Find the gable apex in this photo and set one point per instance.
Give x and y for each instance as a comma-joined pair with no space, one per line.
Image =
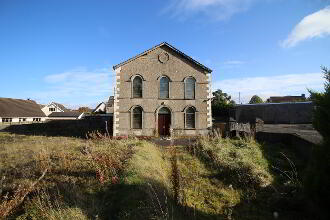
172,48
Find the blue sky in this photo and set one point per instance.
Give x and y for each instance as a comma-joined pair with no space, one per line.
64,51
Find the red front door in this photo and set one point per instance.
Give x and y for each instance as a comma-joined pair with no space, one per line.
164,121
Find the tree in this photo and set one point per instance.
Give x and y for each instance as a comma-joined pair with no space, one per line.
317,179
321,117
221,103
84,109
255,100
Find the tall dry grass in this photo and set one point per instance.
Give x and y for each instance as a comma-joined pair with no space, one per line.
101,178
77,168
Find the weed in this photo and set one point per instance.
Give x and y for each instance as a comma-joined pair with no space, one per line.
9,204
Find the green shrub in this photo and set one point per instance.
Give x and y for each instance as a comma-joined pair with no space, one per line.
317,179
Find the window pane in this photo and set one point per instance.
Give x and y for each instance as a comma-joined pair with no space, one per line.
137,87
164,88
190,88
190,118
137,118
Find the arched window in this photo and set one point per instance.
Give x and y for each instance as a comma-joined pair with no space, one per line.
189,88
164,83
137,87
137,117
190,117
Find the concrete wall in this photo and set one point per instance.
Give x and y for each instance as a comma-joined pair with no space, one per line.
276,113
300,145
151,69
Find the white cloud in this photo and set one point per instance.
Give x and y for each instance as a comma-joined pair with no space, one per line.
78,87
219,9
312,26
292,84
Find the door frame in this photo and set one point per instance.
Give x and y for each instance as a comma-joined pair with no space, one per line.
157,113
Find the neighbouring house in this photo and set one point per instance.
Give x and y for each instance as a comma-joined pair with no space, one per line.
162,91
104,113
72,115
281,99
53,107
104,107
100,108
20,111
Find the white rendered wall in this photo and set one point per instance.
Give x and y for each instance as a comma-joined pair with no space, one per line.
45,109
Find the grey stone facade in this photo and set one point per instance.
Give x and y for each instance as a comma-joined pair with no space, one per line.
151,65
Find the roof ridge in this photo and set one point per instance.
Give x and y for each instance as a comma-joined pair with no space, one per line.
171,47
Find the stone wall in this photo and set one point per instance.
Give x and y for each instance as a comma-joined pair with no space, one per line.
150,69
276,113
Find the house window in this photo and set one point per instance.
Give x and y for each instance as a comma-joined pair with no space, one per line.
189,88
22,119
190,118
6,119
36,119
52,109
137,118
137,87
164,86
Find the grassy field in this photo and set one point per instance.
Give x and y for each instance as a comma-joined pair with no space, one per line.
99,178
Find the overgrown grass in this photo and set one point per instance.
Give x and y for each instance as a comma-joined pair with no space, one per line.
78,173
100,178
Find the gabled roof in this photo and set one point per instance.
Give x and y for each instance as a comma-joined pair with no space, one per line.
55,104
97,109
60,106
169,46
65,114
19,108
107,105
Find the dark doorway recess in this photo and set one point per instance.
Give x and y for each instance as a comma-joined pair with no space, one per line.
164,121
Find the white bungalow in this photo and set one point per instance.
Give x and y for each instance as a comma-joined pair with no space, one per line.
20,111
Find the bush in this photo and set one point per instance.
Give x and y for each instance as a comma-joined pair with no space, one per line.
317,179
222,104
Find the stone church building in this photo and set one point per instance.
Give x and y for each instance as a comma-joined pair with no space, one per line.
162,91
